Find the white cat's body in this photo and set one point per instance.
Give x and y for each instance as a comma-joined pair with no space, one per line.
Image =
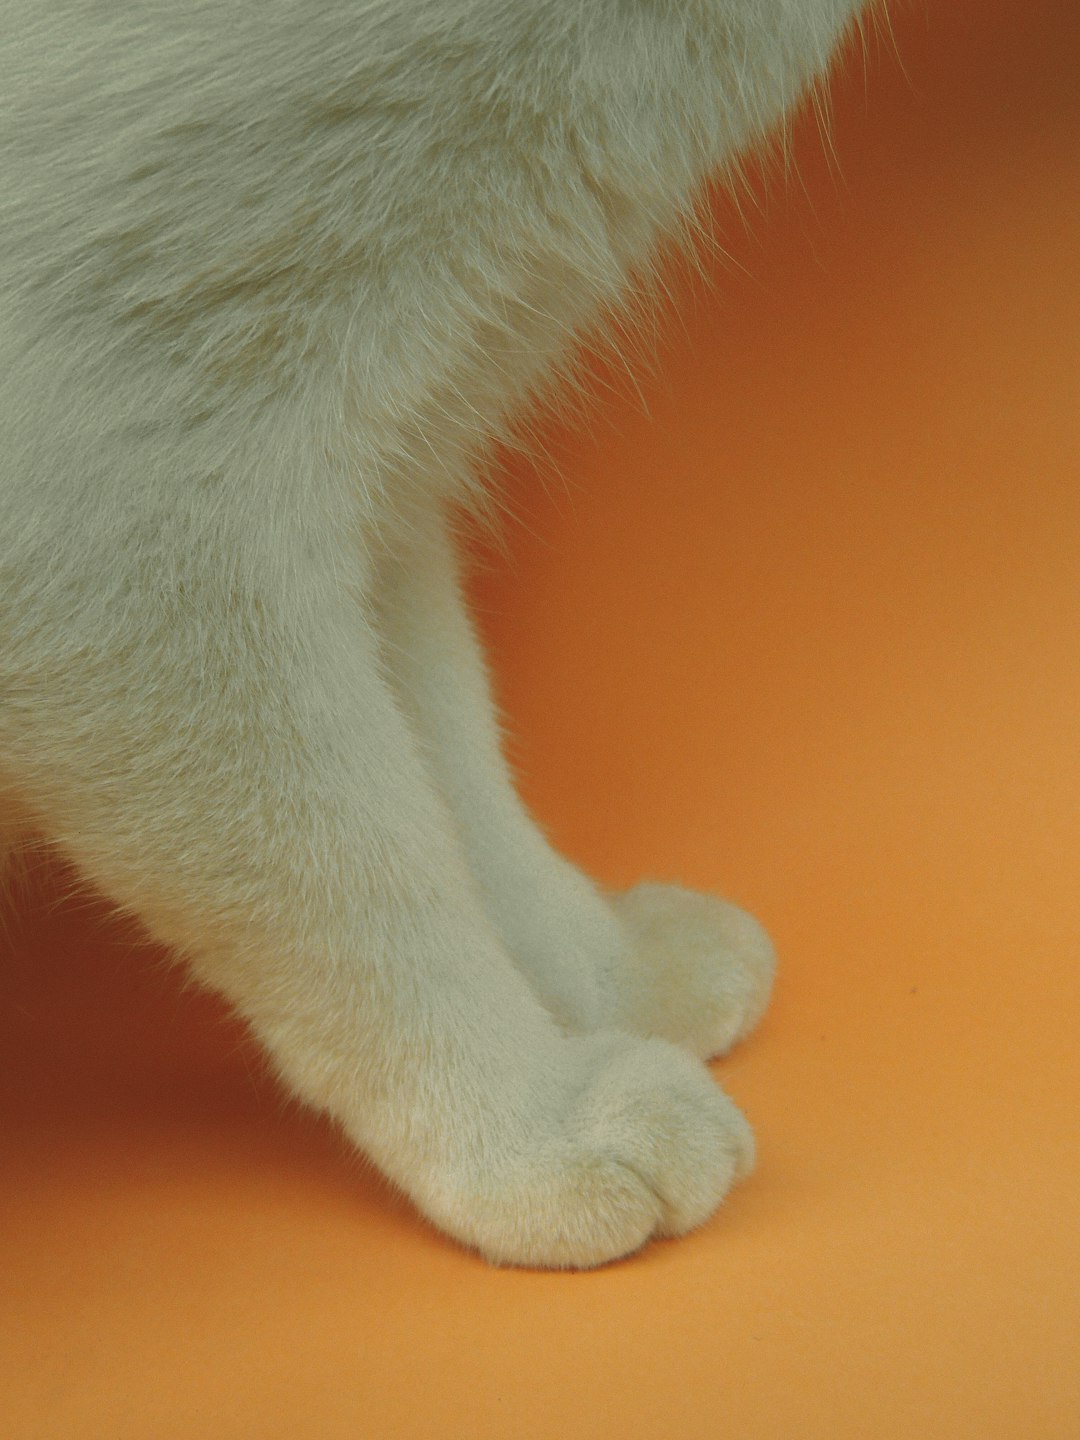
273,277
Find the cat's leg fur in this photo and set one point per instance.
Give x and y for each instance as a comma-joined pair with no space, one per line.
215,745
657,960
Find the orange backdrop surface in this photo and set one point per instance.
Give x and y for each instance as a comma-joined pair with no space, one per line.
805,631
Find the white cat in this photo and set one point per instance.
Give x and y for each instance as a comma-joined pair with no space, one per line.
273,277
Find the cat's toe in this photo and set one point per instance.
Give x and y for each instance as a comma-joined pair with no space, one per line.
649,1147
700,970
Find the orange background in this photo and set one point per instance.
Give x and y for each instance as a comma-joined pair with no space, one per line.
807,633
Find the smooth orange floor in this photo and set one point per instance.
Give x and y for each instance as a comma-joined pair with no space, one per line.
807,633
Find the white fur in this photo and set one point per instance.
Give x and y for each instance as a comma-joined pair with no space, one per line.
273,278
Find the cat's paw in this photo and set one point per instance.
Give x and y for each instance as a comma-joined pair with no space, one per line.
648,1147
698,971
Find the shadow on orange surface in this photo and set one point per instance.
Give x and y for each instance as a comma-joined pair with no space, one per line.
808,633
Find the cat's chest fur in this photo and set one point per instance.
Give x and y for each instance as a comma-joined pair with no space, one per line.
391,220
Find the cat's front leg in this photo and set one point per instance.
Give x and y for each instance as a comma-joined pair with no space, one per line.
658,960
222,755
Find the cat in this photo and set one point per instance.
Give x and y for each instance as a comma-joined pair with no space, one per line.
274,278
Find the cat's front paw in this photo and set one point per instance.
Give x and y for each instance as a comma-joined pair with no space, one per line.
648,1147
698,970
